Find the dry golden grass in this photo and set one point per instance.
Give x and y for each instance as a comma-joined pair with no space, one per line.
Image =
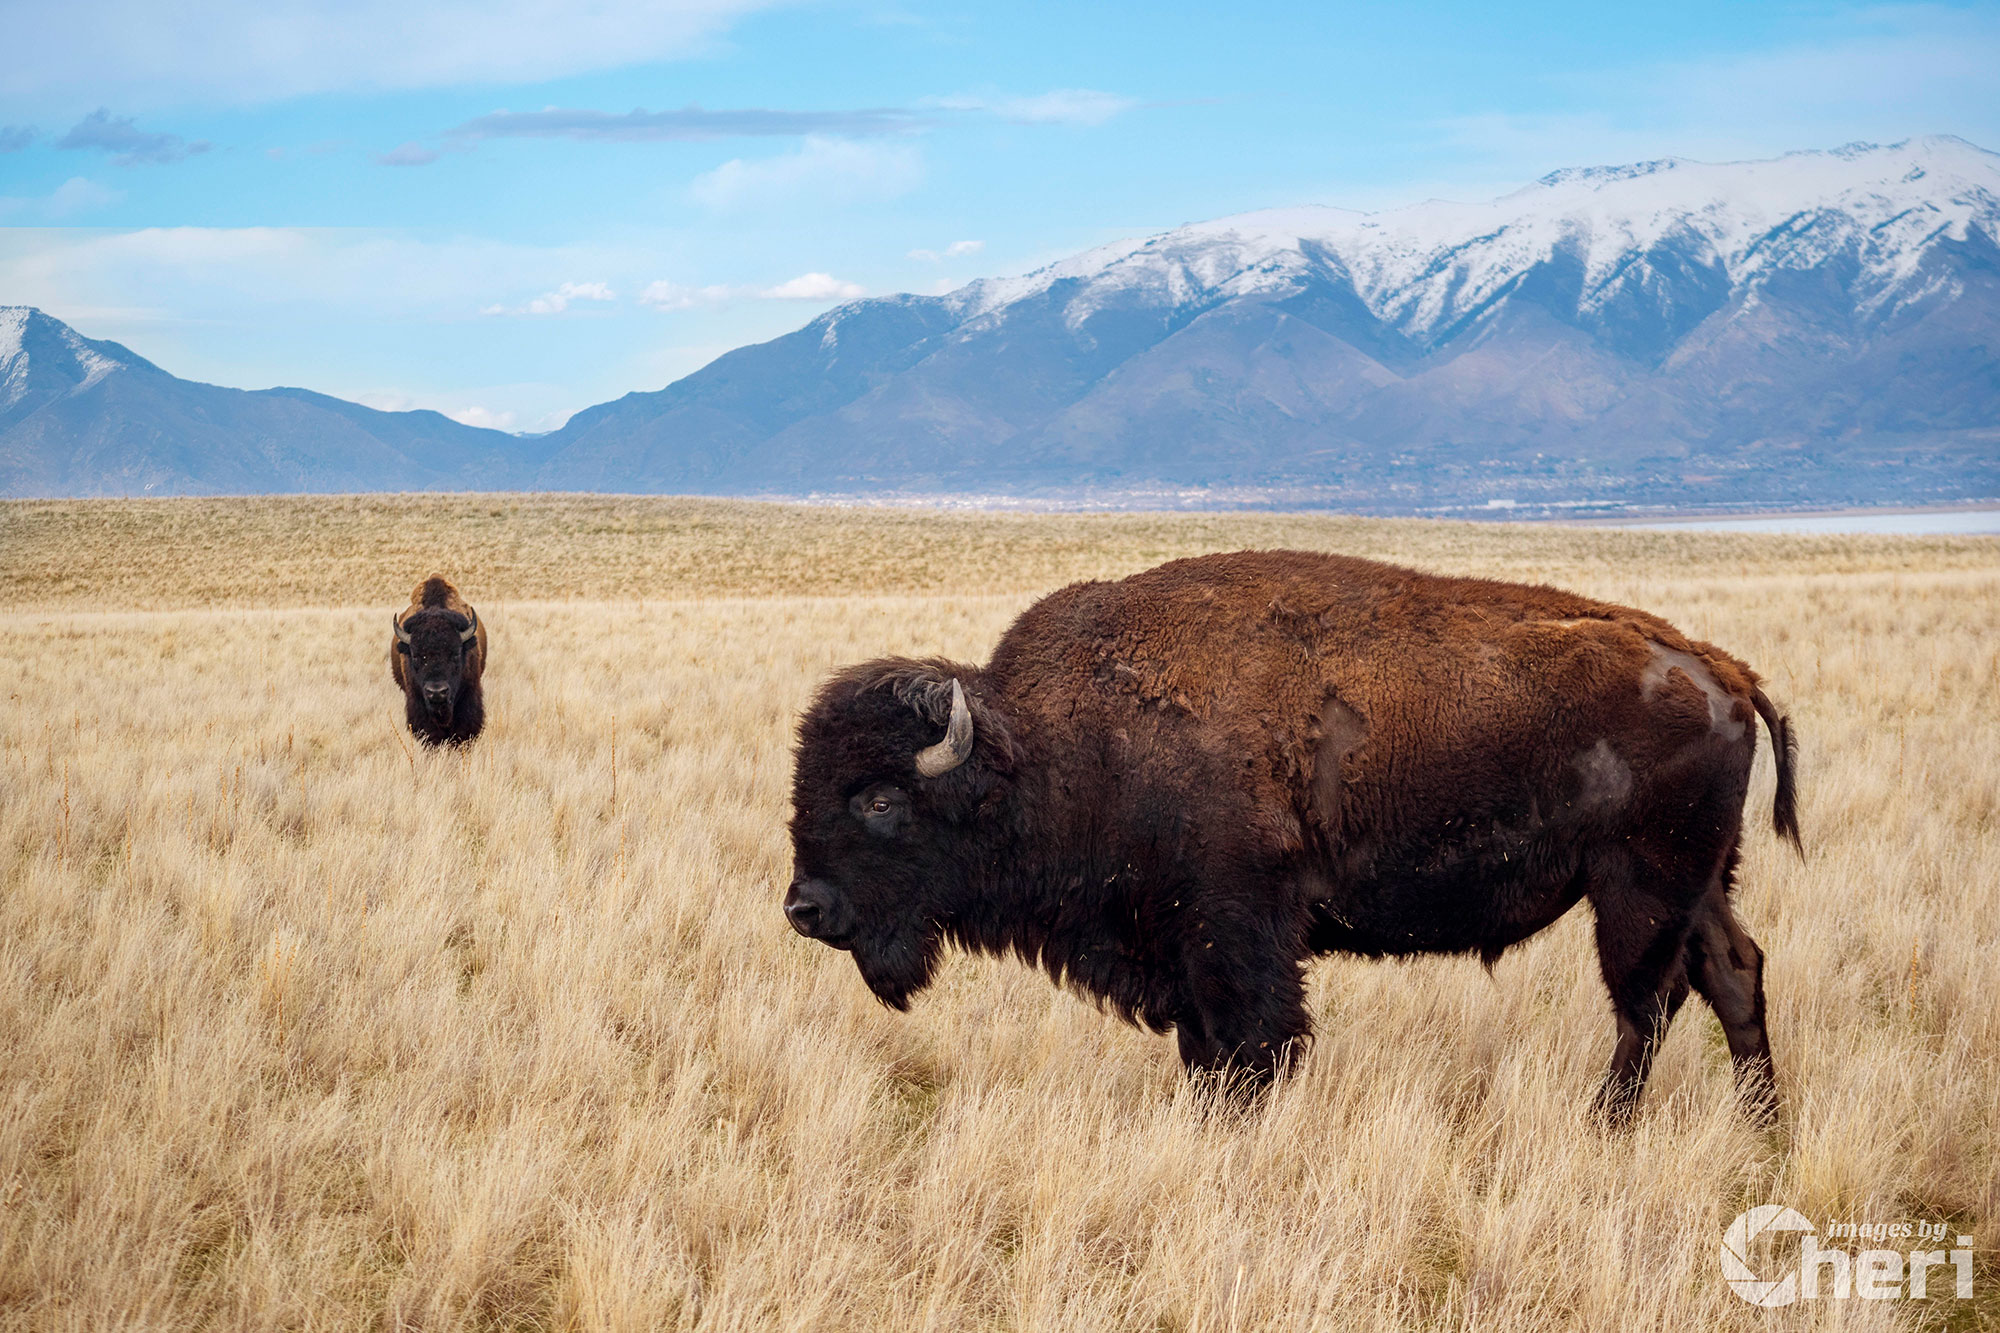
302,1028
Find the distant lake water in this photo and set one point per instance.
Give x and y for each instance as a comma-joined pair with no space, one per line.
1984,522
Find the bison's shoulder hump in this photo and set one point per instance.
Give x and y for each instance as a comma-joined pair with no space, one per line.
437,591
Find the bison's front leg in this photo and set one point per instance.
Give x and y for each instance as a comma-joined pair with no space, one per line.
1243,1006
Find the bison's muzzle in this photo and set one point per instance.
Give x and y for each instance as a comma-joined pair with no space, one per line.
818,912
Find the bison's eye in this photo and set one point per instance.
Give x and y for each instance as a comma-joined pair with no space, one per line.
882,810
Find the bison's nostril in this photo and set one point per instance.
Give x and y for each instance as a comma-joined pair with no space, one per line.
804,916
817,911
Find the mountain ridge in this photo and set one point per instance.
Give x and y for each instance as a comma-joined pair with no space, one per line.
1821,327
1664,350
81,416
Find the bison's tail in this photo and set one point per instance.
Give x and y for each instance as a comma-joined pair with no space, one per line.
1785,749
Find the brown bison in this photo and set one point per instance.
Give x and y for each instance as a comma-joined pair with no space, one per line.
436,659
1172,790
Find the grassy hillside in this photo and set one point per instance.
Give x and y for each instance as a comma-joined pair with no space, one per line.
302,1027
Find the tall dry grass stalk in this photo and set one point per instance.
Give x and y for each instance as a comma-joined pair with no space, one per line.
304,1027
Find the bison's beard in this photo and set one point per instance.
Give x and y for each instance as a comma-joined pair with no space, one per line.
897,966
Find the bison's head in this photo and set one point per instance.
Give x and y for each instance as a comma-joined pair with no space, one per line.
434,643
900,769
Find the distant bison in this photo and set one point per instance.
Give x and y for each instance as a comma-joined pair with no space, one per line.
1171,790
436,659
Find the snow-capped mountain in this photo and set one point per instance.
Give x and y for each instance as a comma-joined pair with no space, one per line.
83,417
42,359
1632,236
1822,327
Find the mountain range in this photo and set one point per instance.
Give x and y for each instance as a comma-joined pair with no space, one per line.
1818,328
83,417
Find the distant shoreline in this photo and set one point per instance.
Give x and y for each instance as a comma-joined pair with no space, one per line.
1197,501
1750,515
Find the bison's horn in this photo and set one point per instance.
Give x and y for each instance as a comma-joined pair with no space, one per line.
471,626
956,747
396,619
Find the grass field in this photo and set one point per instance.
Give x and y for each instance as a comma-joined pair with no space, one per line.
301,1027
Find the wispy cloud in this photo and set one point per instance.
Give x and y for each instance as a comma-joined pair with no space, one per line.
557,301
476,414
81,195
1067,106
690,123
483,417
833,171
956,250
411,154
1062,106
74,196
352,271
664,295
247,51
119,135
13,138
820,287
1879,74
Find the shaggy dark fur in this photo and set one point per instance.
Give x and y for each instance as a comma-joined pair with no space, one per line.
1183,784
437,671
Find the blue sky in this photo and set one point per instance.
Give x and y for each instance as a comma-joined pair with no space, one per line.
513,210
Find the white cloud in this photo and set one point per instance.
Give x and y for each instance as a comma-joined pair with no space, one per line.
1897,70
479,416
241,274
557,301
1880,74
281,273
955,250
508,419
81,195
76,195
1063,106
819,287
829,170
814,287
664,295
247,51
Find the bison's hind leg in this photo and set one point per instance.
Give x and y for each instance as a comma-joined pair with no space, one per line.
1727,968
1642,927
